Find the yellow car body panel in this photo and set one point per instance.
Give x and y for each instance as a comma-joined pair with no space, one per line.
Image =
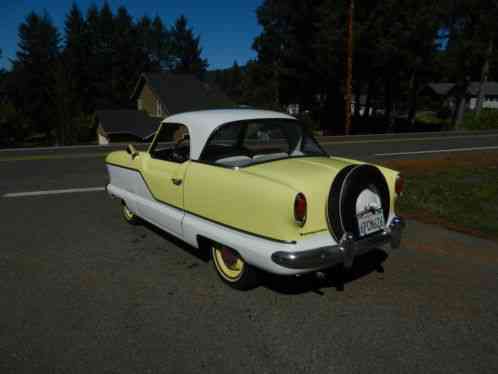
160,177
258,199
241,200
313,176
157,174
124,159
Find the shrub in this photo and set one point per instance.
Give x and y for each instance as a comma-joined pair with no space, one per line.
14,127
487,120
84,129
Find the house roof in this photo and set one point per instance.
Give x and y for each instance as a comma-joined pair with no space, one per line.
182,92
441,89
201,124
445,89
490,88
132,122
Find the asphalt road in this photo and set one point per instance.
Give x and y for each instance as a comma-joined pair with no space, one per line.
31,170
82,291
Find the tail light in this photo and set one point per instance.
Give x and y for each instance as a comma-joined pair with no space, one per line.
400,184
300,209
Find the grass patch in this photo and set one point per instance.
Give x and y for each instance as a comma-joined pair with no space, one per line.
487,120
430,118
461,197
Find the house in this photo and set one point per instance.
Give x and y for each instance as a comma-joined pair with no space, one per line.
293,109
447,92
165,94
157,95
124,126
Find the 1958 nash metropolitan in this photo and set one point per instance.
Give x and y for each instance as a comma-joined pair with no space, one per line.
257,190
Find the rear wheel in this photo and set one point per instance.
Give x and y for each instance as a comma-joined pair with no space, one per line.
232,268
129,216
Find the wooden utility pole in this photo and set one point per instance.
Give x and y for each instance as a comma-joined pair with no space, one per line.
348,89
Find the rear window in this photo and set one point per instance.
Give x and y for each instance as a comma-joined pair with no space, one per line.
250,142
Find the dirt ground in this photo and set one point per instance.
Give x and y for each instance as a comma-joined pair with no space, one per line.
444,161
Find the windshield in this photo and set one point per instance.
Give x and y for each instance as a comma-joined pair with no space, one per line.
251,142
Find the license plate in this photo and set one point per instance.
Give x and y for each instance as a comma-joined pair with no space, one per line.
370,223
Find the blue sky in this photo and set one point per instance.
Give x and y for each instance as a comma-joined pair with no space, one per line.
227,28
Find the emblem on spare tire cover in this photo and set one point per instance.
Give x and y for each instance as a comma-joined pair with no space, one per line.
344,194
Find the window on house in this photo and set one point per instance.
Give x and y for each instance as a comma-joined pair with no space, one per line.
140,104
159,109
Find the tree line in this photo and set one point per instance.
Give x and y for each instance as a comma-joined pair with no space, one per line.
399,46
58,79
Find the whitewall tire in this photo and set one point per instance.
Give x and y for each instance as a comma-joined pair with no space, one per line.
129,216
232,268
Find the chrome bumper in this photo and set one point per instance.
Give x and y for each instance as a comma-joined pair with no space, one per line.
344,252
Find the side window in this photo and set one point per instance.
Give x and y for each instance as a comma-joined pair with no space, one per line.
172,143
224,143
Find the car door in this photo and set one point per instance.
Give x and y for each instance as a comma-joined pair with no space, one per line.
163,169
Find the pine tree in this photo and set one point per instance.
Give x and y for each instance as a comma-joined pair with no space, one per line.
145,56
2,71
38,52
93,46
72,74
105,57
289,60
186,50
235,78
160,44
127,59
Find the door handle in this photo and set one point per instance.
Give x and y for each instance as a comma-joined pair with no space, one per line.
176,181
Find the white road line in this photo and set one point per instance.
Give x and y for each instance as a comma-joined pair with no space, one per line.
54,192
437,151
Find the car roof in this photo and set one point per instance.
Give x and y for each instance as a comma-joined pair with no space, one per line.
202,123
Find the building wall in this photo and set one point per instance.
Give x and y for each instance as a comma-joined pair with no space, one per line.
490,102
102,139
148,101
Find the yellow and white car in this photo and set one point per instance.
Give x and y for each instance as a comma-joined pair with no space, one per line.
257,190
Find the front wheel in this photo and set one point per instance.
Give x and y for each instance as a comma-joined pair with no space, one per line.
129,216
232,268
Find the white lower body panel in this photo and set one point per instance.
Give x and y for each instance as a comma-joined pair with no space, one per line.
255,250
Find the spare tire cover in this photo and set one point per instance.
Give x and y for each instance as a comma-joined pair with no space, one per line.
352,188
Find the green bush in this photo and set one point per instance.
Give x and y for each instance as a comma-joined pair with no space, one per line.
84,129
431,118
13,124
487,120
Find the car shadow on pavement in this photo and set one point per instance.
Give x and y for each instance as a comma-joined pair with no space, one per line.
336,277
197,253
